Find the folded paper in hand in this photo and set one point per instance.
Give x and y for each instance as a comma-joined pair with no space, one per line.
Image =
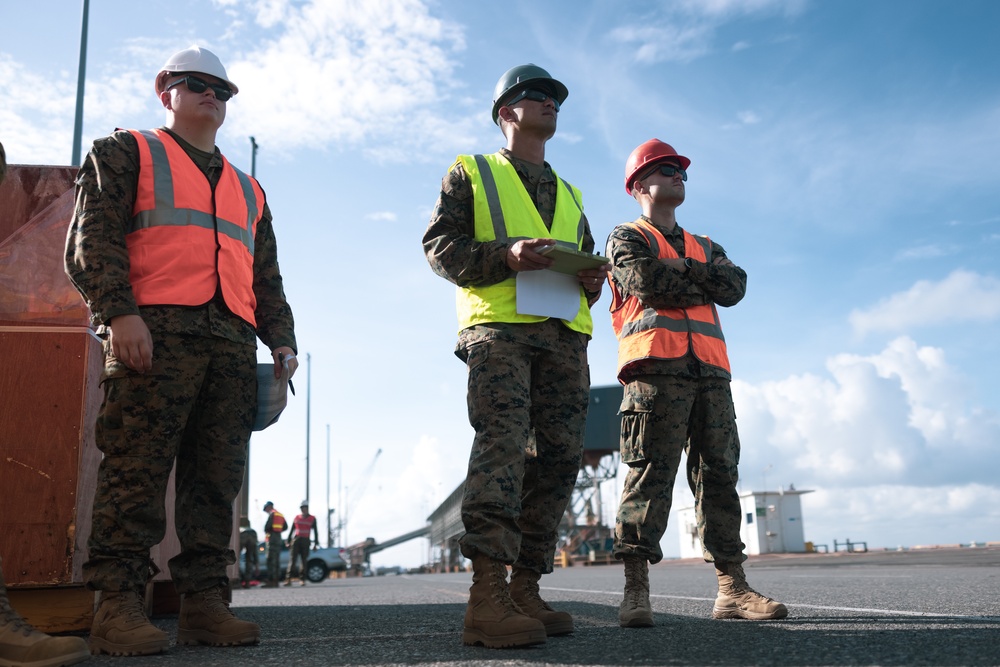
272,395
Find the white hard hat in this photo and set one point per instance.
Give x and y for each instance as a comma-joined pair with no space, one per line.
193,59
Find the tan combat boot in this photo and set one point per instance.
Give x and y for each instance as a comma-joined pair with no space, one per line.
491,617
737,600
120,627
21,644
635,610
526,595
205,619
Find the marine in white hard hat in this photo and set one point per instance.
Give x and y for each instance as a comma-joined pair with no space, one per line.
194,59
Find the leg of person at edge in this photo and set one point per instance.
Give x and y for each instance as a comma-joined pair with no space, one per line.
677,396
529,381
20,643
180,379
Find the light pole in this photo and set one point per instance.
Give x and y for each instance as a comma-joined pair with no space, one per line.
81,77
253,157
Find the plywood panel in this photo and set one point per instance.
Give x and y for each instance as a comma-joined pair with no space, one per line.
48,458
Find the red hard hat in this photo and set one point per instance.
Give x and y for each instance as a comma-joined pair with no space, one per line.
646,155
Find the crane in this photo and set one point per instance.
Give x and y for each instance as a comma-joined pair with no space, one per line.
354,498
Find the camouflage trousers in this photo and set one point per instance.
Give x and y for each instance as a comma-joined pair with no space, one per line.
273,554
251,563
528,407
663,416
196,408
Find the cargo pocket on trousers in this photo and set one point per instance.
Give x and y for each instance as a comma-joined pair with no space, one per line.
636,411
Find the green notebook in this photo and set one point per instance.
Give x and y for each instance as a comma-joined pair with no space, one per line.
570,260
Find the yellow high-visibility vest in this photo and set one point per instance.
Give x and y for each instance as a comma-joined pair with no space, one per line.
504,211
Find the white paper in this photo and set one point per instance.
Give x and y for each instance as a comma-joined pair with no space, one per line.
548,294
272,395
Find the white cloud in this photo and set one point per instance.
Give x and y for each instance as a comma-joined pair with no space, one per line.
928,251
382,216
401,495
898,417
903,515
963,296
683,30
356,71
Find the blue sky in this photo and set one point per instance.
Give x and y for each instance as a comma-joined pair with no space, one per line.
844,153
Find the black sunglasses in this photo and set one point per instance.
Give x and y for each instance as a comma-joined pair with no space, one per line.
534,95
668,170
196,85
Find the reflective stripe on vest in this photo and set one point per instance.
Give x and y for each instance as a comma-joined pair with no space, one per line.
667,333
303,525
503,211
185,239
278,523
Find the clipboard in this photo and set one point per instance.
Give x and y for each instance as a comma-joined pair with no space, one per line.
570,260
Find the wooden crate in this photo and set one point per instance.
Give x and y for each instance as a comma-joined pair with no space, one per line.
48,466
49,400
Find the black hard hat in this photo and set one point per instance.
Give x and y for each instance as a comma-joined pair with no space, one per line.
518,78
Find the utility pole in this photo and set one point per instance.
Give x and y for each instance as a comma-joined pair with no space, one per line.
329,511
78,122
245,506
308,401
253,157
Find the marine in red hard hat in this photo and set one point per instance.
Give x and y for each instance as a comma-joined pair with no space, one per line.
648,154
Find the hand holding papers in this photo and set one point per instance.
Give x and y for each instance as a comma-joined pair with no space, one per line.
570,260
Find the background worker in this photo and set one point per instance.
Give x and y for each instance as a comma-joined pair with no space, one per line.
528,374
173,250
273,527
20,643
672,359
298,541
251,554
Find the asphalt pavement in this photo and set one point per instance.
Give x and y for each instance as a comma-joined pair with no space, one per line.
926,607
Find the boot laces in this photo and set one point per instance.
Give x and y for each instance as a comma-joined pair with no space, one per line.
499,587
637,582
215,603
531,595
130,607
14,620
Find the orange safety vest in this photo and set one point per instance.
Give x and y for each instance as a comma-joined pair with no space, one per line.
303,525
278,523
187,240
667,333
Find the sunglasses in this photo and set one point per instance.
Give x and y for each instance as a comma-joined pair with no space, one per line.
668,170
196,85
535,96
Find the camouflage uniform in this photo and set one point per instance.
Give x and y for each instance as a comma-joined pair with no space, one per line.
251,558
675,405
528,389
195,407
